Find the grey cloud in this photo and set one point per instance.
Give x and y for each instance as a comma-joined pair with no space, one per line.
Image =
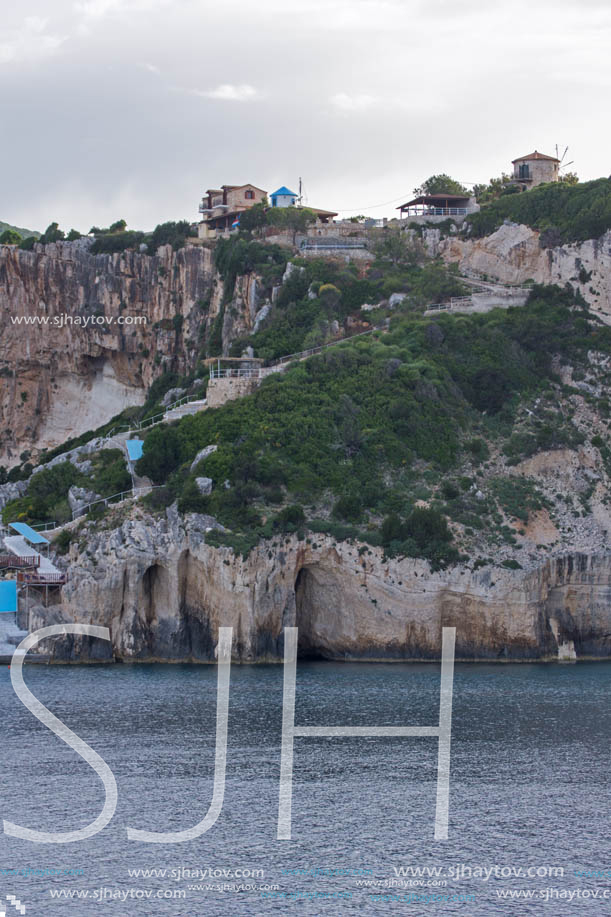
143,104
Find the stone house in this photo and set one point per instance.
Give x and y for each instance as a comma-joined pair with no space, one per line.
535,169
221,208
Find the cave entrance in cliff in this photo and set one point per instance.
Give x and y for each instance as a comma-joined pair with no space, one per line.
154,592
308,609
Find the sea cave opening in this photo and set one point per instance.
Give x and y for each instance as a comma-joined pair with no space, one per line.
309,609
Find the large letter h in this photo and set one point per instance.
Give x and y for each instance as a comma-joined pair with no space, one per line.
441,732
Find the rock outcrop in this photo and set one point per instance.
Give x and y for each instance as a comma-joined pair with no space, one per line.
513,254
94,332
164,592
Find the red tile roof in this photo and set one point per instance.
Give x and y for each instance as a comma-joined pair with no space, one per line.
536,155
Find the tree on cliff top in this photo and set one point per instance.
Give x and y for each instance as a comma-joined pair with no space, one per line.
52,234
441,184
10,237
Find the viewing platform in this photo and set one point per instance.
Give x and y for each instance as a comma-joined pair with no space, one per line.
40,570
437,208
32,570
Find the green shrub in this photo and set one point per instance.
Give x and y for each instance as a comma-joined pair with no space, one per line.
10,237
518,496
563,212
449,490
112,242
158,499
171,233
161,454
479,449
349,508
378,413
290,518
62,542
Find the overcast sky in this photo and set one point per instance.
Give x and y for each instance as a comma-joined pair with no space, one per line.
132,108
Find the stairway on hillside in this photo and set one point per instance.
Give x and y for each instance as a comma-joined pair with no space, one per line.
183,410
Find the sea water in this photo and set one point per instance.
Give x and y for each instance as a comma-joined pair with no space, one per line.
529,792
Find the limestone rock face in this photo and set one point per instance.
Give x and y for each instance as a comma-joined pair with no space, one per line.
11,491
513,254
164,592
59,376
261,316
78,497
204,486
172,395
202,454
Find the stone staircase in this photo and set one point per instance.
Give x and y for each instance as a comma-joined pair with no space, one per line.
11,634
183,410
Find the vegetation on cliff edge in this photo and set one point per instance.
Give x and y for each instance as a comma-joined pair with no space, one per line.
349,434
560,211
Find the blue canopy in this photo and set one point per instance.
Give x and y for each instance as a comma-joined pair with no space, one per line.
134,449
8,595
28,533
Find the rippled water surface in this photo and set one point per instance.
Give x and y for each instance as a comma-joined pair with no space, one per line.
529,788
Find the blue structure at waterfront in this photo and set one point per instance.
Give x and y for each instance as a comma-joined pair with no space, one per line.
8,596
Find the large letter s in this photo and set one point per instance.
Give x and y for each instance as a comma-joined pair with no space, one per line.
70,738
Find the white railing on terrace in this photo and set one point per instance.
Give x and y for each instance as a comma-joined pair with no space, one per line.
315,245
258,373
439,212
450,304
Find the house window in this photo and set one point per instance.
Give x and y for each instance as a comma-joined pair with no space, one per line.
523,171
249,195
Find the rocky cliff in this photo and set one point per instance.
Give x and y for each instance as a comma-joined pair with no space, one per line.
164,592
513,254
95,331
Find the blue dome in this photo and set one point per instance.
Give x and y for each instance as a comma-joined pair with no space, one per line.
283,192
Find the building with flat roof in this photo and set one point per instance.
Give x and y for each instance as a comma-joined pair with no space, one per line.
437,207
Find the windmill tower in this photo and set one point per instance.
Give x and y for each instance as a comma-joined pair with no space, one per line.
561,161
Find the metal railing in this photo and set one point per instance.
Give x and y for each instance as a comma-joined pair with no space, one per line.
236,373
192,399
450,304
321,245
308,353
44,526
440,212
41,579
154,420
470,274
123,428
114,499
14,560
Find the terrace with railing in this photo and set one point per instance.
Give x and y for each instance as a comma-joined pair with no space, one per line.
436,206
13,561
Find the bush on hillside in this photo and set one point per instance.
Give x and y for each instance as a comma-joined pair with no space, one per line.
561,212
